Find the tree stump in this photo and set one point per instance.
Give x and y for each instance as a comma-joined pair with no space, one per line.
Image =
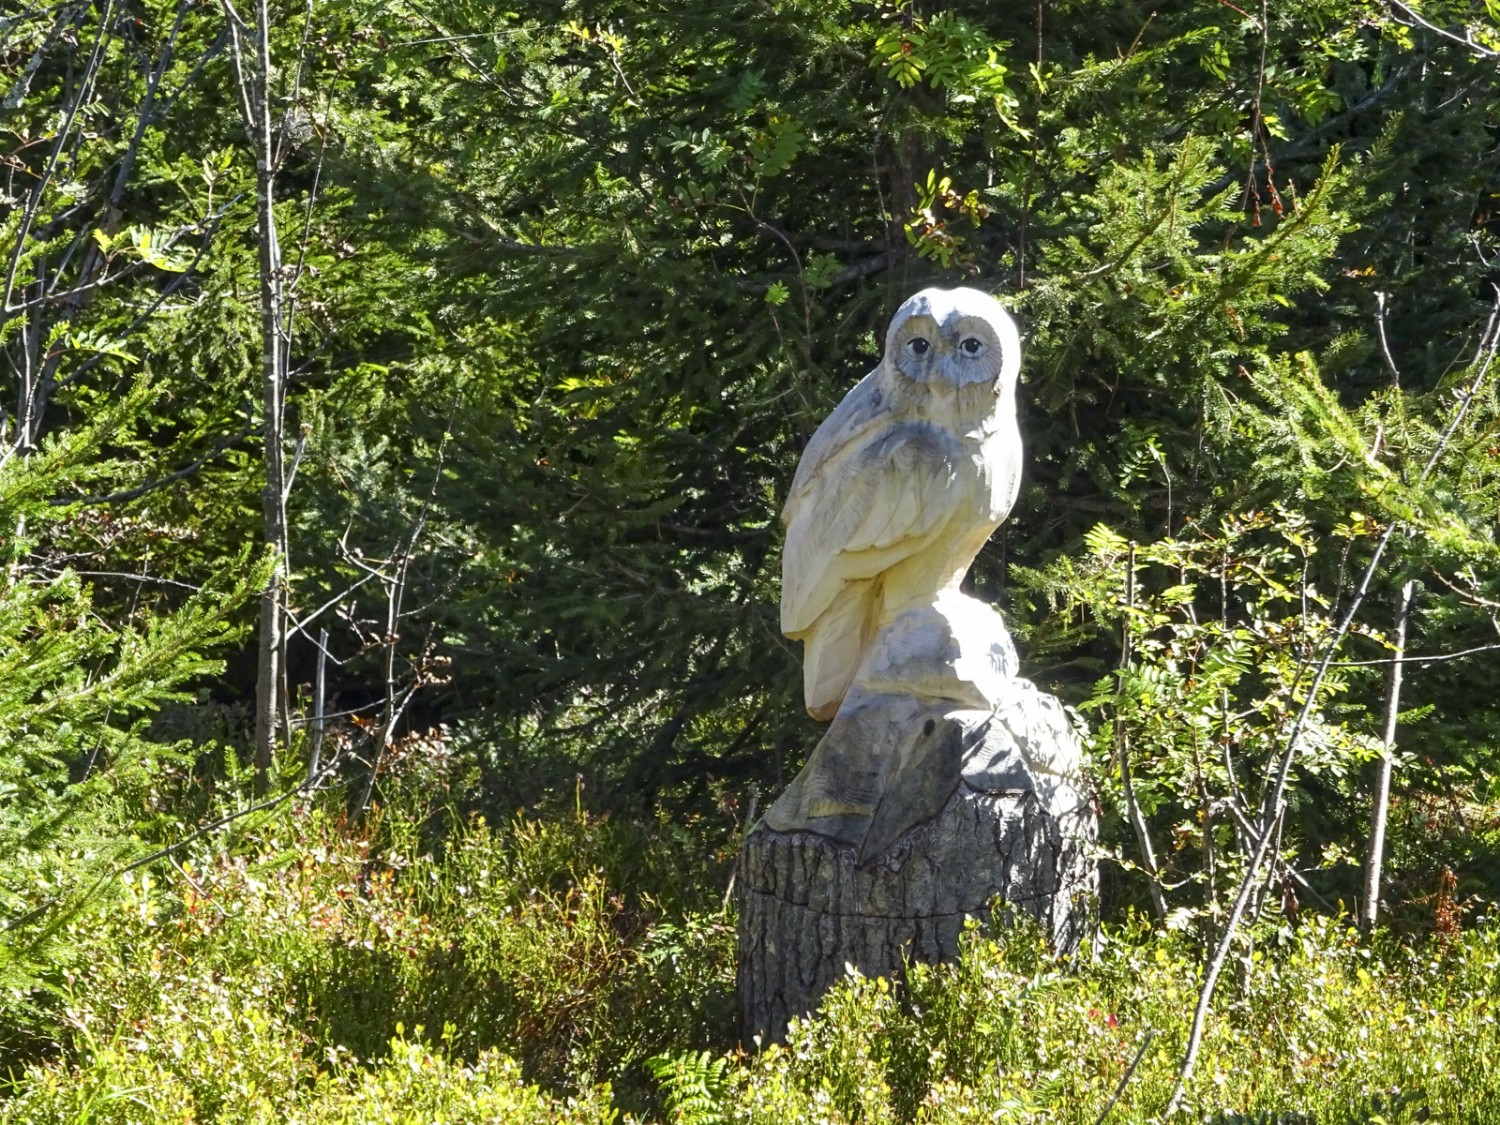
1008,838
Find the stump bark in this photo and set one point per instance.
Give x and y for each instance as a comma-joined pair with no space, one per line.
808,907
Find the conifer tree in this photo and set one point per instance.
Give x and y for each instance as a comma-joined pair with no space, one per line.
80,769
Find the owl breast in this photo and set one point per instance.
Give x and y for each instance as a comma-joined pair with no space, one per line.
902,484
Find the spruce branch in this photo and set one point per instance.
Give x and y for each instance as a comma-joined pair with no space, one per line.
1275,803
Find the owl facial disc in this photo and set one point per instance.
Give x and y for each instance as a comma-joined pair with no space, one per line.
950,338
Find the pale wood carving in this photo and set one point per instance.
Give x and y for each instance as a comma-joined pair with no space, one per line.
945,784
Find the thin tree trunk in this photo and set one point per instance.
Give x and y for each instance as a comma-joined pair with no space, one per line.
1370,908
1122,750
256,103
319,688
395,700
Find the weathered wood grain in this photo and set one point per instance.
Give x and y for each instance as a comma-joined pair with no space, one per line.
808,907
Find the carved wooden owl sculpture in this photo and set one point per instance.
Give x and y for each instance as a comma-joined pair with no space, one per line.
902,484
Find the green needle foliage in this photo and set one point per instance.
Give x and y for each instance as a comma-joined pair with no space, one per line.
81,774
570,286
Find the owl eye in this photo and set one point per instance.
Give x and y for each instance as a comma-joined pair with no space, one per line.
971,346
919,346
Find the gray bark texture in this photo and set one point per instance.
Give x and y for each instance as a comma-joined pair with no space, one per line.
808,906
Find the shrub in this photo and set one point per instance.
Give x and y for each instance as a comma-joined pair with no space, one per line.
1320,1028
305,949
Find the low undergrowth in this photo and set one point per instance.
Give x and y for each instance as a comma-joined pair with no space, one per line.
1319,1026
574,969
314,968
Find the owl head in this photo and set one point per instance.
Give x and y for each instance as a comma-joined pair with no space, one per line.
954,338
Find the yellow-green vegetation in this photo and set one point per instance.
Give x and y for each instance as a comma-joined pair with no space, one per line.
578,969
496,332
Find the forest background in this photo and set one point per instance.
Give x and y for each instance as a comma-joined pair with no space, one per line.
396,405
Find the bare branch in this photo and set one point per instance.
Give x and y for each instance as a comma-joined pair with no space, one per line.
1380,801
313,780
1128,1075
70,115
1122,753
1385,347
330,603
1430,658
1465,41
484,75
22,85
137,578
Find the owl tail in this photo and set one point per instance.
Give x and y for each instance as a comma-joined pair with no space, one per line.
833,648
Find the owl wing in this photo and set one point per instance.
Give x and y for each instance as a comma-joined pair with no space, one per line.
867,497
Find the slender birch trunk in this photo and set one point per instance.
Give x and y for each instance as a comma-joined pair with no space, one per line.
255,102
1122,751
1380,803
